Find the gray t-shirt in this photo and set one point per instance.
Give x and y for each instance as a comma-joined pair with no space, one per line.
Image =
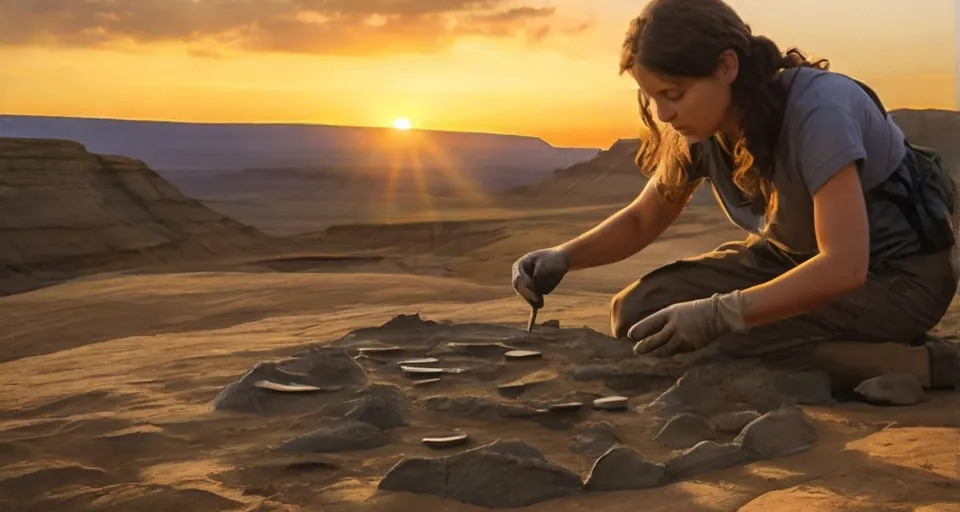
829,121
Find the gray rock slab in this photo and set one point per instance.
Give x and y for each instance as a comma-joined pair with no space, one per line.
685,430
781,432
338,436
705,456
892,389
491,476
621,469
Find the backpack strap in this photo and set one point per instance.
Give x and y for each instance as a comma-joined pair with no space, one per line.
934,229
873,96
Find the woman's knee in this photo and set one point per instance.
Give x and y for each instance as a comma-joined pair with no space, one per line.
645,296
624,309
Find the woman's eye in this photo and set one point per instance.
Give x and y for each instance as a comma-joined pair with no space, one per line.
674,95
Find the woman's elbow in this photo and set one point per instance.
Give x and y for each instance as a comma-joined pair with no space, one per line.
852,272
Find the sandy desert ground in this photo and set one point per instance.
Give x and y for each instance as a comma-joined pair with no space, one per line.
108,383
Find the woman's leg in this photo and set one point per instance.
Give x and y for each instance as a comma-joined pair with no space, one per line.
899,303
731,266
924,289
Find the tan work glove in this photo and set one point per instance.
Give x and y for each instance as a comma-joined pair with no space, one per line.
688,326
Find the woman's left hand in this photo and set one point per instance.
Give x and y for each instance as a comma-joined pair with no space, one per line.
688,326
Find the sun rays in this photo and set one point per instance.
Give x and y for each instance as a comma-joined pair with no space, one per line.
415,155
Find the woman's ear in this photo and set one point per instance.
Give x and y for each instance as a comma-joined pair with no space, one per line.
728,67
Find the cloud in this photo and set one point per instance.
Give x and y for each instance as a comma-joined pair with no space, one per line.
342,27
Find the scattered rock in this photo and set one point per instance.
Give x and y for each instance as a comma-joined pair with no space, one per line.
284,387
323,367
515,447
418,362
594,441
338,436
611,403
705,456
621,469
485,476
688,394
563,407
892,389
685,430
448,440
778,433
382,406
706,390
522,354
386,350
732,422
418,476
498,480
552,323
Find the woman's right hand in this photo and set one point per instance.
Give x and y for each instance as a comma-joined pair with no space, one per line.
537,274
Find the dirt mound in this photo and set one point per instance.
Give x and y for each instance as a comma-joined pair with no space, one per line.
64,211
369,391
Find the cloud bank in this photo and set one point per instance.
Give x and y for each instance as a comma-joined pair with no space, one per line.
338,27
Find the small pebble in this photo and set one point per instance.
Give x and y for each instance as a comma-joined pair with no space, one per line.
522,354
611,403
420,372
445,440
416,362
285,387
892,389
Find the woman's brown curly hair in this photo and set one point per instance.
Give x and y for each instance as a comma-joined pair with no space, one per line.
686,38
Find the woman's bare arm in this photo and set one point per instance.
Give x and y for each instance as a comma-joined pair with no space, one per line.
626,232
843,236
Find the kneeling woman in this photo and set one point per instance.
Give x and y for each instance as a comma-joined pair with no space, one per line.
848,260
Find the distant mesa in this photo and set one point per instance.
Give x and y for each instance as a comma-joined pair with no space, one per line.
492,160
65,211
938,129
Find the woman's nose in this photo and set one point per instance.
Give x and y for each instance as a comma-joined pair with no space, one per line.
666,113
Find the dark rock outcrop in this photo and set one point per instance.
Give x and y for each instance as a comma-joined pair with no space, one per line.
493,476
65,211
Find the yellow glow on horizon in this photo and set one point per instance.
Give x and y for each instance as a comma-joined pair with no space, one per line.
402,123
565,90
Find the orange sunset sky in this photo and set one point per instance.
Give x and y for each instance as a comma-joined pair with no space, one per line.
536,67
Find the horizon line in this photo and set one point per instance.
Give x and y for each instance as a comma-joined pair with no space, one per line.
299,123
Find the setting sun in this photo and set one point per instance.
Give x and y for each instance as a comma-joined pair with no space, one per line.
402,123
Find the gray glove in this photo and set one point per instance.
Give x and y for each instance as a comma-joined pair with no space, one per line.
688,326
537,273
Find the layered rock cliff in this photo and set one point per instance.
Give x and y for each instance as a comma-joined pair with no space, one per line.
64,210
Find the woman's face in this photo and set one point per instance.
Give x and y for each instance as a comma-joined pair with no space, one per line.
695,107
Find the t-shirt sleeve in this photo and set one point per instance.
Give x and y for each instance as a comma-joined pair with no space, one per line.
828,138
